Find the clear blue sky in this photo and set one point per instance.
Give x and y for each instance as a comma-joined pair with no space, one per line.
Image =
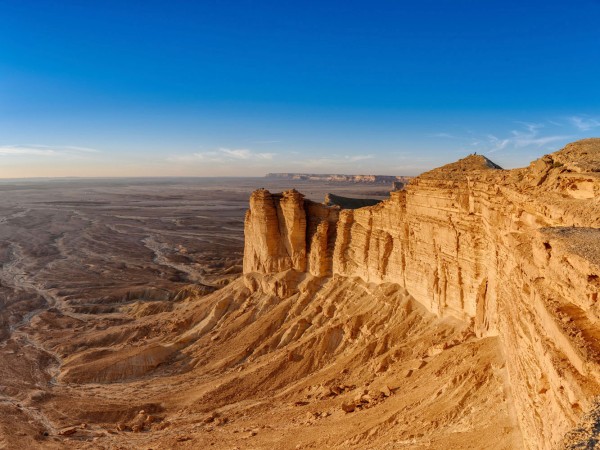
246,87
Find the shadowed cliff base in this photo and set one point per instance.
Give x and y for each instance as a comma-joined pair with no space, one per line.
349,203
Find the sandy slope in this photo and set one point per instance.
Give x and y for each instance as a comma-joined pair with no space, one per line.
243,368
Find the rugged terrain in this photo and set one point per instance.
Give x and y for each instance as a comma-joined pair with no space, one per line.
83,262
459,313
515,254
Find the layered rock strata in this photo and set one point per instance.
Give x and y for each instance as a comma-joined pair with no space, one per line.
514,252
285,231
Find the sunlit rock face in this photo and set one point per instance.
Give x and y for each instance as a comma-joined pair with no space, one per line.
285,231
275,232
516,253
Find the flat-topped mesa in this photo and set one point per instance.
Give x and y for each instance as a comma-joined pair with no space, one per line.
503,249
340,178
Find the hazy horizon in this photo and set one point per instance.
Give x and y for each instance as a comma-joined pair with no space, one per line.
243,89
179,177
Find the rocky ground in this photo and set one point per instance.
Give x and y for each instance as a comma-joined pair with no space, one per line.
338,365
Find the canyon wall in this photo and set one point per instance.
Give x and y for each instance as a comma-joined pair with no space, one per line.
514,252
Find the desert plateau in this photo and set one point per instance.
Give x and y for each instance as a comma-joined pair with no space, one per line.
310,225
459,312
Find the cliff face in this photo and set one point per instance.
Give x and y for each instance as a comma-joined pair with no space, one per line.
515,253
284,231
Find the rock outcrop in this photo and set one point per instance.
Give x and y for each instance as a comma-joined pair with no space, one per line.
515,253
281,230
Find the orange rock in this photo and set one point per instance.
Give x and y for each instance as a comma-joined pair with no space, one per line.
68,431
348,407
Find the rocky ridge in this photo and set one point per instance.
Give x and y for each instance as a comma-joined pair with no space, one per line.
512,253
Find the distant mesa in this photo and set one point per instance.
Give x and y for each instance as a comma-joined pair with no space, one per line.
339,178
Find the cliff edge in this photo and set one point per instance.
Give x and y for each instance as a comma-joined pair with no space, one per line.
514,254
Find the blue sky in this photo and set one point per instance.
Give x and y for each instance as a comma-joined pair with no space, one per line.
146,88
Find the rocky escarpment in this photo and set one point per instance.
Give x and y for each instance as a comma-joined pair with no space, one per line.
339,178
515,253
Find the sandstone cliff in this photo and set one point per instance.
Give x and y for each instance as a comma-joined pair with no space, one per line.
515,253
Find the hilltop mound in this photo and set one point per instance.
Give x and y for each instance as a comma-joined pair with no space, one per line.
471,163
